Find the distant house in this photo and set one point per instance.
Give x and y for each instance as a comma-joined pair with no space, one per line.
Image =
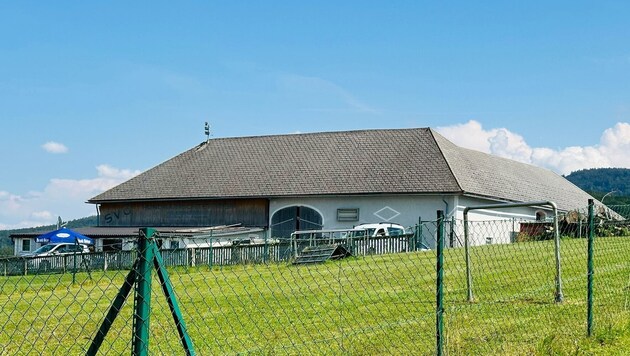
329,180
111,239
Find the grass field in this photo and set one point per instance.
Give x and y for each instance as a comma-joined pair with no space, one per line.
360,306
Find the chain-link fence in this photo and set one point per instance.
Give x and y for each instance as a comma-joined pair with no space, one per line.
353,295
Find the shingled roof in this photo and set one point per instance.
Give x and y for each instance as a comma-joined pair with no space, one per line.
400,161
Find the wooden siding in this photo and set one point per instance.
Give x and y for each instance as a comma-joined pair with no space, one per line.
248,212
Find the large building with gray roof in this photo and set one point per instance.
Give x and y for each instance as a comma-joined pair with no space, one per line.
329,180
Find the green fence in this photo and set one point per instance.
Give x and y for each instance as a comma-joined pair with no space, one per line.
407,300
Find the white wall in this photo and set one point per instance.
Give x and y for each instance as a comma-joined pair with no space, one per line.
17,246
404,210
495,226
408,209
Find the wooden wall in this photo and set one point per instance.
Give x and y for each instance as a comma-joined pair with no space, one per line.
248,212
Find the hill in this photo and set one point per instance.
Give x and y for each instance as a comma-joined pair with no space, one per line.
601,181
6,244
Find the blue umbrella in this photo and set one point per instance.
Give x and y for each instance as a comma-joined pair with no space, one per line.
64,235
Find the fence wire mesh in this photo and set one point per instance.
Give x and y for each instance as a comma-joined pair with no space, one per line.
372,296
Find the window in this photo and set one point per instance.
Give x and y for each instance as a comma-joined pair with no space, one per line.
174,245
74,248
26,245
112,245
348,214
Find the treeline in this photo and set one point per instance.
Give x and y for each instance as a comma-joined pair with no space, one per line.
6,245
614,183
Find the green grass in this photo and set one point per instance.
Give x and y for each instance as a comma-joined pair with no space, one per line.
361,306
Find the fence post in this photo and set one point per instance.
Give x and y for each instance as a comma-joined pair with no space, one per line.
513,237
469,292
143,293
559,297
211,254
416,238
266,250
590,271
451,236
439,322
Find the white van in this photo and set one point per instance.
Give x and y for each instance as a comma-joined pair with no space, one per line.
380,229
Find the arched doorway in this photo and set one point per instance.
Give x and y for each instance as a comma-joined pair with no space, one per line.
287,220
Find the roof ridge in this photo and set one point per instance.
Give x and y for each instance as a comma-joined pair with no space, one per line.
338,132
448,163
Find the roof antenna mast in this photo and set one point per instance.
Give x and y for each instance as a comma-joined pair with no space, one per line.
60,223
207,130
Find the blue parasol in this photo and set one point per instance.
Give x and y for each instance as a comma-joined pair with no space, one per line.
64,235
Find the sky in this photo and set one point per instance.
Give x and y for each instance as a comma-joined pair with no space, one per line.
93,93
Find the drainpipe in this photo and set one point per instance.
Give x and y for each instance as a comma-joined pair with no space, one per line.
446,210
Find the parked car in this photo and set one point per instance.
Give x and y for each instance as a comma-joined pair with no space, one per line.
378,230
49,256
60,249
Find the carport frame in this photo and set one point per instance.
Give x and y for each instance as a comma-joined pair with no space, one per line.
559,297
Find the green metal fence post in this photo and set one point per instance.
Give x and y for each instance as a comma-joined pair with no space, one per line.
451,234
169,293
114,310
559,297
416,237
420,236
590,270
469,291
439,323
143,293
74,263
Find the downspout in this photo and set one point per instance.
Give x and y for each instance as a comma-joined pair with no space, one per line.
446,206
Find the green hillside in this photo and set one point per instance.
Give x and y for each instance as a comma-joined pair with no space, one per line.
601,181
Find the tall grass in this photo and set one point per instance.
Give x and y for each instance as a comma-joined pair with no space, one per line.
361,306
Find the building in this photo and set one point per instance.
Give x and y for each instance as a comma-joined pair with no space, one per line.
329,180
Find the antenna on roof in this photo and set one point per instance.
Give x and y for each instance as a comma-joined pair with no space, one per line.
60,223
207,130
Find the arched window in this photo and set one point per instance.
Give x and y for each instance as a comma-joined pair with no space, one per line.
287,220
541,215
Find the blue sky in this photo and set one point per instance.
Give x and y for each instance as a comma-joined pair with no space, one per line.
93,93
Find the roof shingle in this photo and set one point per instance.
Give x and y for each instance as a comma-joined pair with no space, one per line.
400,161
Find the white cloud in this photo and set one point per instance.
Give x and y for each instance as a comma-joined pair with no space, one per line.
469,135
60,197
55,147
610,152
43,215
